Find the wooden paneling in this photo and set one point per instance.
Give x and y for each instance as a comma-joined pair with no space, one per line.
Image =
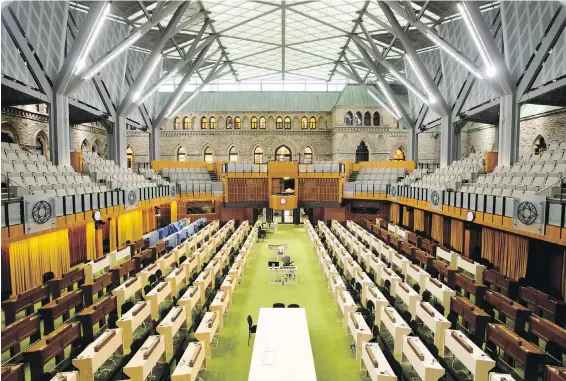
408,165
246,190
319,190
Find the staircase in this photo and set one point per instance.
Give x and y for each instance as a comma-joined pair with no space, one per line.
213,176
353,176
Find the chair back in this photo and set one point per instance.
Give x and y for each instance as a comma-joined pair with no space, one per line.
250,322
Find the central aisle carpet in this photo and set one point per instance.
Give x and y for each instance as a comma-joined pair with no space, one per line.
331,347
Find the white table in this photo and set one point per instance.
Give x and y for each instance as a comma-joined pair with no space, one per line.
282,347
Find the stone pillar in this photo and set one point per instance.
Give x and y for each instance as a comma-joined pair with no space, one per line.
59,131
508,139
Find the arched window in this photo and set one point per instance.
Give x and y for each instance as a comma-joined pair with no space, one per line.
312,123
358,119
258,155
376,119
539,145
283,153
39,148
367,119
304,123
213,123
181,155
307,155
233,154
186,123
399,155
279,123
129,157
348,118
177,123
262,123
362,152
254,123
229,123
9,134
237,123
208,155
287,123
204,123
95,146
84,145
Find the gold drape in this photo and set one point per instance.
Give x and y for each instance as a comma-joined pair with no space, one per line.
174,211
31,258
130,227
148,217
418,220
112,233
457,235
394,213
406,217
509,253
437,228
91,242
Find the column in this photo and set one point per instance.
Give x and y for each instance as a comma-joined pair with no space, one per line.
412,145
509,119
119,154
59,130
154,145
446,141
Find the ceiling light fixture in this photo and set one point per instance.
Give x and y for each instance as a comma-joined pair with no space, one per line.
431,97
384,105
408,85
489,67
91,38
155,87
444,46
155,63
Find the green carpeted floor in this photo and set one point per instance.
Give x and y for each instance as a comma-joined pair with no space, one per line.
330,345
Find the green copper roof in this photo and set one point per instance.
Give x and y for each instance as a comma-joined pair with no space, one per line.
300,101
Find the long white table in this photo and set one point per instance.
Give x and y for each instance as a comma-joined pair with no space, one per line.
282,346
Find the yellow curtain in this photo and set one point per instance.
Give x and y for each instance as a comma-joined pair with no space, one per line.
148,216
394,213
31,258
457,235
91,242
112,235
130,227
418,220
437,228
509,253
174,211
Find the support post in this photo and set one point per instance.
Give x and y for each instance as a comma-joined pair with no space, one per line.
412,145
120,141
446,141
59,130
508,144
154,145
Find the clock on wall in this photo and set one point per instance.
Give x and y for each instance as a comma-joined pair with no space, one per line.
283,201
470,216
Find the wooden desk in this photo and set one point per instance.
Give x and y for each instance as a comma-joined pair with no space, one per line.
97,352
122,271
203,280
359,330
13,372
131,320
51,346
457,345
13,334
435,321
474,319
448,256
145,256
501,283
236,271
418,275
547,331
147,272
192,361
229,286
98,286
207,329
376,266
392,277
375,363
60,307
220,304
151,352
467,287
363,279
176,279
125,291
409,296
94,267
165,262
189,265
282,348
214,266
420,358
169,326
551,373
379,300
189,301
336,284
504,377
25,301
115,257
543,304
156,296
441,292
67,281
401,262
96,313
396,326
346,303
506,307
473,268
446,271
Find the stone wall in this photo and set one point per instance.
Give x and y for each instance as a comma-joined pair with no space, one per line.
139,141
477,139
429,147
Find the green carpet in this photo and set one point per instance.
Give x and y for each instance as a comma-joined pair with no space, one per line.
332,355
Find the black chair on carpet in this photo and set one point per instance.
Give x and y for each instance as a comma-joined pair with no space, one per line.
251,328
426,296
293,306
48,276
278,305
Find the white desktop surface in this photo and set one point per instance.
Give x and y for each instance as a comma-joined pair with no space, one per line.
282,348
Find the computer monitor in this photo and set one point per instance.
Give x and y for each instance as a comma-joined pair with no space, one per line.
272,264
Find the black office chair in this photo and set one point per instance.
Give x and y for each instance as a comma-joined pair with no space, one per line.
387,285
112,319
182,259
406,315
278,305
453,319
426,296
158,273
146,289
417,288
126,307
293,306
554,350
48,276
251,328
152,279
439,307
